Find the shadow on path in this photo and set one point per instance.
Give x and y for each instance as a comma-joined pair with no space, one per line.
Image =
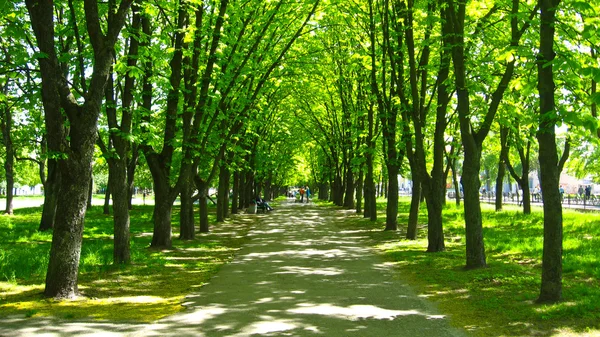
299,275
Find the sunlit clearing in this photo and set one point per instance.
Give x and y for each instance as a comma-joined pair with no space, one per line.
304,253
310,271
567,332
270,325
198,315
355,312
7,288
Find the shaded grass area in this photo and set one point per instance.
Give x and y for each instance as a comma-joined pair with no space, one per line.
152,287
499,300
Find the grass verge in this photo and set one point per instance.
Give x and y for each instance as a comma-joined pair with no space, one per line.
152,287
499,300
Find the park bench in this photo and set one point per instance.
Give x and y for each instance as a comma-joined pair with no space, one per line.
261,207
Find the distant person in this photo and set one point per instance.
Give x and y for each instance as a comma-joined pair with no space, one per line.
561,190
580,191
261,202
302,191
307,191
588,192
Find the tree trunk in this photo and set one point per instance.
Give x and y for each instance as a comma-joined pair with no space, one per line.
90,196
338,193
10,180
106,207
119,190
500,185
457,185
226,195
435,230
9,159
269,188
250,195
413,215
323,191
473,231
235,195
391,220
187,230
163,205
370,196
63,266
50,196
526,196
349,199
242,191
551,287
76,169
222,192
131,166
203,207
359,191
501,167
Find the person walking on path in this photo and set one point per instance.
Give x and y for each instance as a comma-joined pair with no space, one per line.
302,191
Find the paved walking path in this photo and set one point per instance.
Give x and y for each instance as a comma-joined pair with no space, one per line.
299,275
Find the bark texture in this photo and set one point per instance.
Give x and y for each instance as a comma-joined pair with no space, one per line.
551,287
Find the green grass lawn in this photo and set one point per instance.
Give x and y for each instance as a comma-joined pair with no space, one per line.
499,300
153,286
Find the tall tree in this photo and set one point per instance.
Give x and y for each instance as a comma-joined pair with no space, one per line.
77,148
385,89
550,166
472,138
119,143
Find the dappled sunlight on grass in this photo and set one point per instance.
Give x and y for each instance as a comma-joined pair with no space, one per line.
150,288
498,300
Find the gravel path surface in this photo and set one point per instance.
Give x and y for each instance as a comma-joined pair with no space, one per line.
299,275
